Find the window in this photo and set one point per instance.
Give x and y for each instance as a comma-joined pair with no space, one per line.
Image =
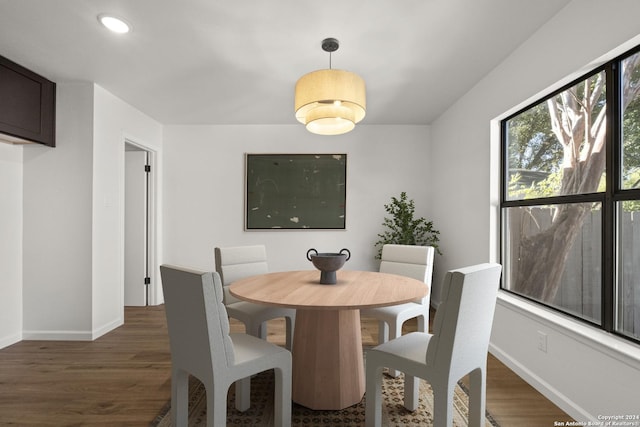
627,289
571,199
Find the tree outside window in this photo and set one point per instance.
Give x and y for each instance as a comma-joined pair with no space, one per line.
563,212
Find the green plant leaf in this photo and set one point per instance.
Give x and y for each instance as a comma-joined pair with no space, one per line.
403,229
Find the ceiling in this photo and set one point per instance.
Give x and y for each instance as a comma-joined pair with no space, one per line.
237,61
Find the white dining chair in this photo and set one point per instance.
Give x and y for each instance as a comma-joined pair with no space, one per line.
457,347
411,261
237,262
202,346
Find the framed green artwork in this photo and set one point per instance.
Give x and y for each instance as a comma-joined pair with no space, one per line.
295,191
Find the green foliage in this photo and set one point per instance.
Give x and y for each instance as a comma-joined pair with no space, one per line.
534,150
631,206
632,179
404,229
631,144
532,144
548,187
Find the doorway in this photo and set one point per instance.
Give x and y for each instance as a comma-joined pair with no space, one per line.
138,231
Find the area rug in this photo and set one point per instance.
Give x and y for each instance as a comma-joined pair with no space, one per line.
261,411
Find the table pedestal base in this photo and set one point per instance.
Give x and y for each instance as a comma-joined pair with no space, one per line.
328,369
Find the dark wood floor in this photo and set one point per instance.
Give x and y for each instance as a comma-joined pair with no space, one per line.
123,379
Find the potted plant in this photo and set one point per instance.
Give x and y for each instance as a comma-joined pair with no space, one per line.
403,229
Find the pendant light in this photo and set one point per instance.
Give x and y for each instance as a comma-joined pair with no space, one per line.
330,102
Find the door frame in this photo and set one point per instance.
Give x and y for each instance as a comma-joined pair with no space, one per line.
154,293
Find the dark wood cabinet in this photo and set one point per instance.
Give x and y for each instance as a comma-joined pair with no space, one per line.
27,104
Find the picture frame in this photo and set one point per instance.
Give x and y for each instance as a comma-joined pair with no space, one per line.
295,191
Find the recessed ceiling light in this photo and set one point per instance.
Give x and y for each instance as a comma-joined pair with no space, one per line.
117,25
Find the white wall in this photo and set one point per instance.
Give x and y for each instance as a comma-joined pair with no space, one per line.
582,372
114,121
73,215
57,223
204,189
10,244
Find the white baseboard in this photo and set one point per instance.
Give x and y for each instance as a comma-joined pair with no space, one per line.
72,335
97,333
57,335
10,340
562,401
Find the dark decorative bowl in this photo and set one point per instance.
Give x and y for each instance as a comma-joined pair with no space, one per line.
328,263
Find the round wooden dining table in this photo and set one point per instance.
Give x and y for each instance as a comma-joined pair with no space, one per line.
328,367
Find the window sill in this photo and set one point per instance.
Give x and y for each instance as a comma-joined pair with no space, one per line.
604,342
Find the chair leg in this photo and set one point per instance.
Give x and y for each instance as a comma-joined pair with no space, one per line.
262,334
423,323
395,331
373,395
282,398
179,398
258,330
216,405
411,389
290,324
243,394
383,332
477,397
443,404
